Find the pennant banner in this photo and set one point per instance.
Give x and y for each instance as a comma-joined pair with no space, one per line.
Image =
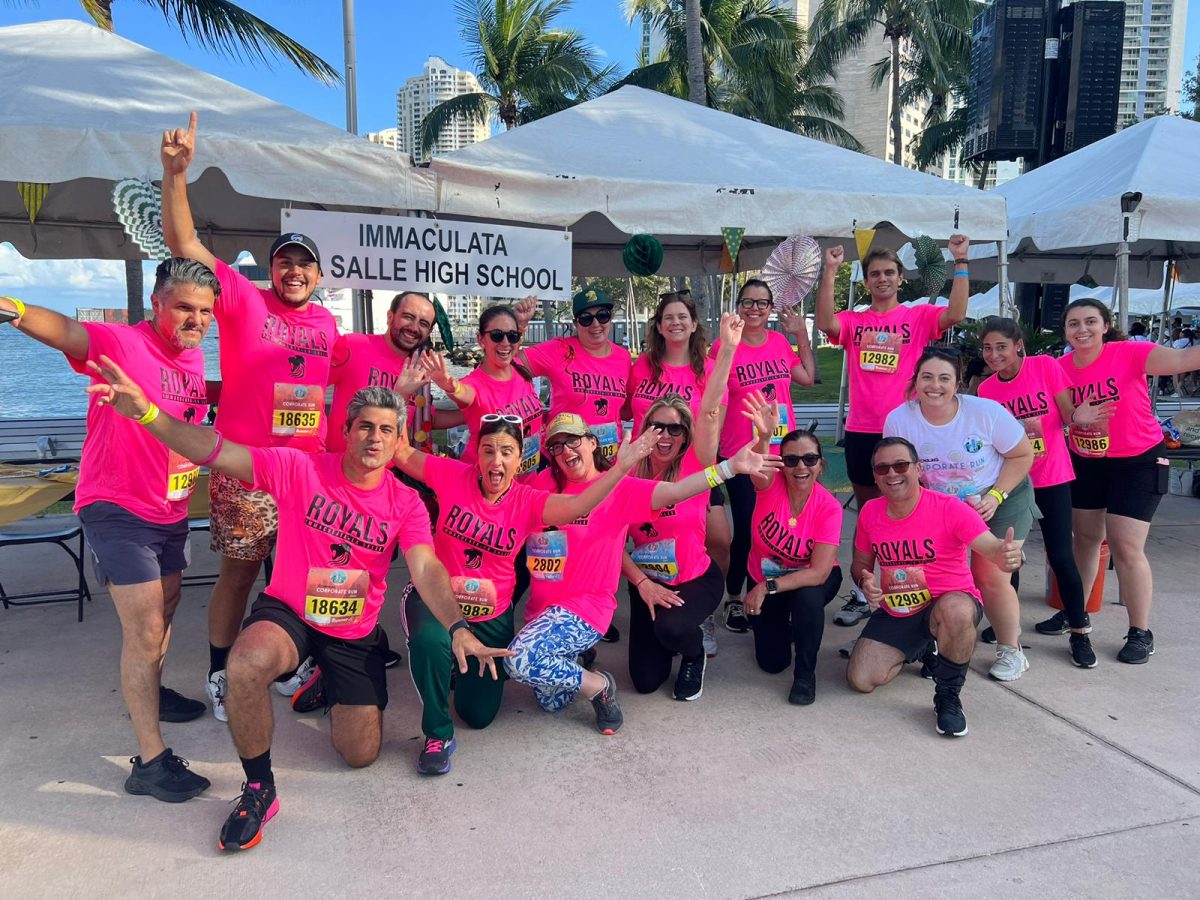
32,194
863,237
733,240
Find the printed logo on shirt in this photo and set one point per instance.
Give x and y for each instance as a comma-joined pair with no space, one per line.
339,554
472,559
601,406
297,366
1092,440
762,372
379,378
182,387
907,552
599,385
348,525
1028,405
189,415
972,444
463,525
903,331
652,390
299,338
648,530
783,541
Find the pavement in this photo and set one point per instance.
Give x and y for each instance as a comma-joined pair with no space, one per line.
1071,783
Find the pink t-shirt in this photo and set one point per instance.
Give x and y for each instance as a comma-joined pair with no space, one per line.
669,547
121,462
515,397
777,547
923,555
1030,398
766,368
882,350
681,380
1119,374
578,567
274,366
358,361
478,541
592,387
335,540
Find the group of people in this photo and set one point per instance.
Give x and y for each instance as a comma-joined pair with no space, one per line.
560,503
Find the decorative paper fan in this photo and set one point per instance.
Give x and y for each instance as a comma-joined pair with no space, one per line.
443,323
931,264
643,254
792,269
138,205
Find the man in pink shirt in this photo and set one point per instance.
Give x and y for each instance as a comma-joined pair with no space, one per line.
342,518
132,497
275,353
925,592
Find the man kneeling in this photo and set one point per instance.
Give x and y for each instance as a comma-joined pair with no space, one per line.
920,539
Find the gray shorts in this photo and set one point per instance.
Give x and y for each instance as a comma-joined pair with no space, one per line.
1017,512
127,549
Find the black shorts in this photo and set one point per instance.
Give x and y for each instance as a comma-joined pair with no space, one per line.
908,634
353,669
859,445
1130,486
716,496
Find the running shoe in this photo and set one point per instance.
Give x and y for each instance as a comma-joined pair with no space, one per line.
847,648
951,721
735,616
435,756
256,807
1139,647
689,684
289,686
587,658
612,635
608,711
708,628
929,660
852,612
1056,624
216,695
988,635
1010,663
166,778
311,695
391,659
1082,653
174,707
804,689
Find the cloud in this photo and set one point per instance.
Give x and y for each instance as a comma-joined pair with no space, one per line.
17,272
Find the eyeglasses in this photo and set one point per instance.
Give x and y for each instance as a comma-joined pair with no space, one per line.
751,302
555,448
898,467
498,336
603,317
674,429
791,460
500,417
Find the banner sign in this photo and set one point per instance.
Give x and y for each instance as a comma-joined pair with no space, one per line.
394,253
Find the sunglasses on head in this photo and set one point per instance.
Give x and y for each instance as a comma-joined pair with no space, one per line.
674,429
751,302
501,417
498,336
586,318
898,467
555,448
791,460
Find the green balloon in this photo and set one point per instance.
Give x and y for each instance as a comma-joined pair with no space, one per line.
643,254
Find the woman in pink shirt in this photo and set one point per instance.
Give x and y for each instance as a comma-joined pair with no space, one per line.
1120,464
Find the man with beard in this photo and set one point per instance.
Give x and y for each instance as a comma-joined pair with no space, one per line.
132,497
276,347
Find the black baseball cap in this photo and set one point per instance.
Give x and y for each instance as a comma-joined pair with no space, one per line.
300,240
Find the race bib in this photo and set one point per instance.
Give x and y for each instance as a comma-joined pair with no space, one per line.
1090,440
784,426
296,409
774,568
181,476
546,555
335,597
657,560
476,596
609,438
531,454
1033,431
880,352
905,592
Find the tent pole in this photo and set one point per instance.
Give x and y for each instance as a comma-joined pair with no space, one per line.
1002,274
841,416
1168,296
635,341
1122,287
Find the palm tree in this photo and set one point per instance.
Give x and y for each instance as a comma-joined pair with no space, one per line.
527,67
934,32
695,54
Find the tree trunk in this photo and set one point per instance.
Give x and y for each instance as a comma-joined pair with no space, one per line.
984,171
133,291
897,137
697,89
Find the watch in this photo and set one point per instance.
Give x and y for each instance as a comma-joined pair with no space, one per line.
772,586
461,623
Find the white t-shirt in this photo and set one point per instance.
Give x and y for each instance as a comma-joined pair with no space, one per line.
964,456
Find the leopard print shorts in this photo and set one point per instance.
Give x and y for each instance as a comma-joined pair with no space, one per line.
243,522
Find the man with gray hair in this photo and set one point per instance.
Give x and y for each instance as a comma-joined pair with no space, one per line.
133,492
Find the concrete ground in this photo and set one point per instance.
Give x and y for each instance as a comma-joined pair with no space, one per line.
1071,783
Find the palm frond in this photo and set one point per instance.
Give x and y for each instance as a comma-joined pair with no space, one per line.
477,106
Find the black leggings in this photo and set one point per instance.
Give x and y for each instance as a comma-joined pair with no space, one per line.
741,502
676,629
793,617
1055,504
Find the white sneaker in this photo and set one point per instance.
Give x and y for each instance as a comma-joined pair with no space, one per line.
709,629
847,648
216,695
852,612
1010,663
293,684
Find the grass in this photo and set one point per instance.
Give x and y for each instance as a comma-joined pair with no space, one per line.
829,363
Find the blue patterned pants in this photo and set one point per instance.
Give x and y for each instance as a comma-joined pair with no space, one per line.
544,656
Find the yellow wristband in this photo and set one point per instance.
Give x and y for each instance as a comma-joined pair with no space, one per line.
1000,498
458,389
20,307
713,474
149,415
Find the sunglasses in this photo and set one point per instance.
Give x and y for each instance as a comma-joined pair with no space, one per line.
674,429
555,448
498,336
500,417
586,318
750,303
791,460
898,467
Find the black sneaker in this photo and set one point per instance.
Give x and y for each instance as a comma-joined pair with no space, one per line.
174,707
166,778
1056,624
1139,647
435,756
735,616
608,712
391,659
256,807
1082,653
587,658
689,684
951,721
988,635
311,694
612,635
804,689
929,660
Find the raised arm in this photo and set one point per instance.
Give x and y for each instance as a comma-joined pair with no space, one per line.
523,312
960,287
564,508
708,422
804,372
179,231
826,319
408,459
1167,361
745,462
51,328
763,418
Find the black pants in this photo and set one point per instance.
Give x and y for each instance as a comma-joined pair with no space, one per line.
741,504
1055,504
521,565
793,617
676,629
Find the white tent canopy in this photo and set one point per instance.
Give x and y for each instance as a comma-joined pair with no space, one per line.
639,161
84,108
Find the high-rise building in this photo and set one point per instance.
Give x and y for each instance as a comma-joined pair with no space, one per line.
439,81
389,137
1152,64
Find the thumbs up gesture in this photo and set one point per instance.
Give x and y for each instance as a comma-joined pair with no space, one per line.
870,589
1010,552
